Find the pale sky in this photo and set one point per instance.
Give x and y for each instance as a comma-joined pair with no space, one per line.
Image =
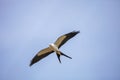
27,26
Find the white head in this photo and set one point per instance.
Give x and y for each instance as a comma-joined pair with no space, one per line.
54,47
51,44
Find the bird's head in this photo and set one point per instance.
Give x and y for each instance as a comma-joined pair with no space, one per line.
51,44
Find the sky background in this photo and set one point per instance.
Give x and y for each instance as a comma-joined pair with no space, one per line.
27,26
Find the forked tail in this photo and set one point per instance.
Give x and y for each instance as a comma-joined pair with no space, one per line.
58,55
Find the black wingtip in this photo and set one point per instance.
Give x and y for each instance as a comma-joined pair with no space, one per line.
34,60
31,63
76,31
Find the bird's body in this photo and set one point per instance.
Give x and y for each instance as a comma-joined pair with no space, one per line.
54,47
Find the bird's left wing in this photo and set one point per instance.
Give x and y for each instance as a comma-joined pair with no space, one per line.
40,55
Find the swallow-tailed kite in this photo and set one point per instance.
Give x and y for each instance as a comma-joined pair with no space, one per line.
54,48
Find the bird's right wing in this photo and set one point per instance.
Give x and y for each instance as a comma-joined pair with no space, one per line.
40,55
64,38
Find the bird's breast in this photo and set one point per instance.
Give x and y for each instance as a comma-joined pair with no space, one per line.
54,47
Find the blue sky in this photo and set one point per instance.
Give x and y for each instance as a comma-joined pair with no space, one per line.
27,26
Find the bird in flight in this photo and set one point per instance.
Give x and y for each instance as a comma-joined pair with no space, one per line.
54,47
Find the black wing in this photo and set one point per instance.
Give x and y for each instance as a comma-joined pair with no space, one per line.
64,38
40,55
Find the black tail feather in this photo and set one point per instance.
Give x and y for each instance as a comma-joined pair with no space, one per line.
59,58
66,55
58,55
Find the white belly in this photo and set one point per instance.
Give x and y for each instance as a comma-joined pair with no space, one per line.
54,47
